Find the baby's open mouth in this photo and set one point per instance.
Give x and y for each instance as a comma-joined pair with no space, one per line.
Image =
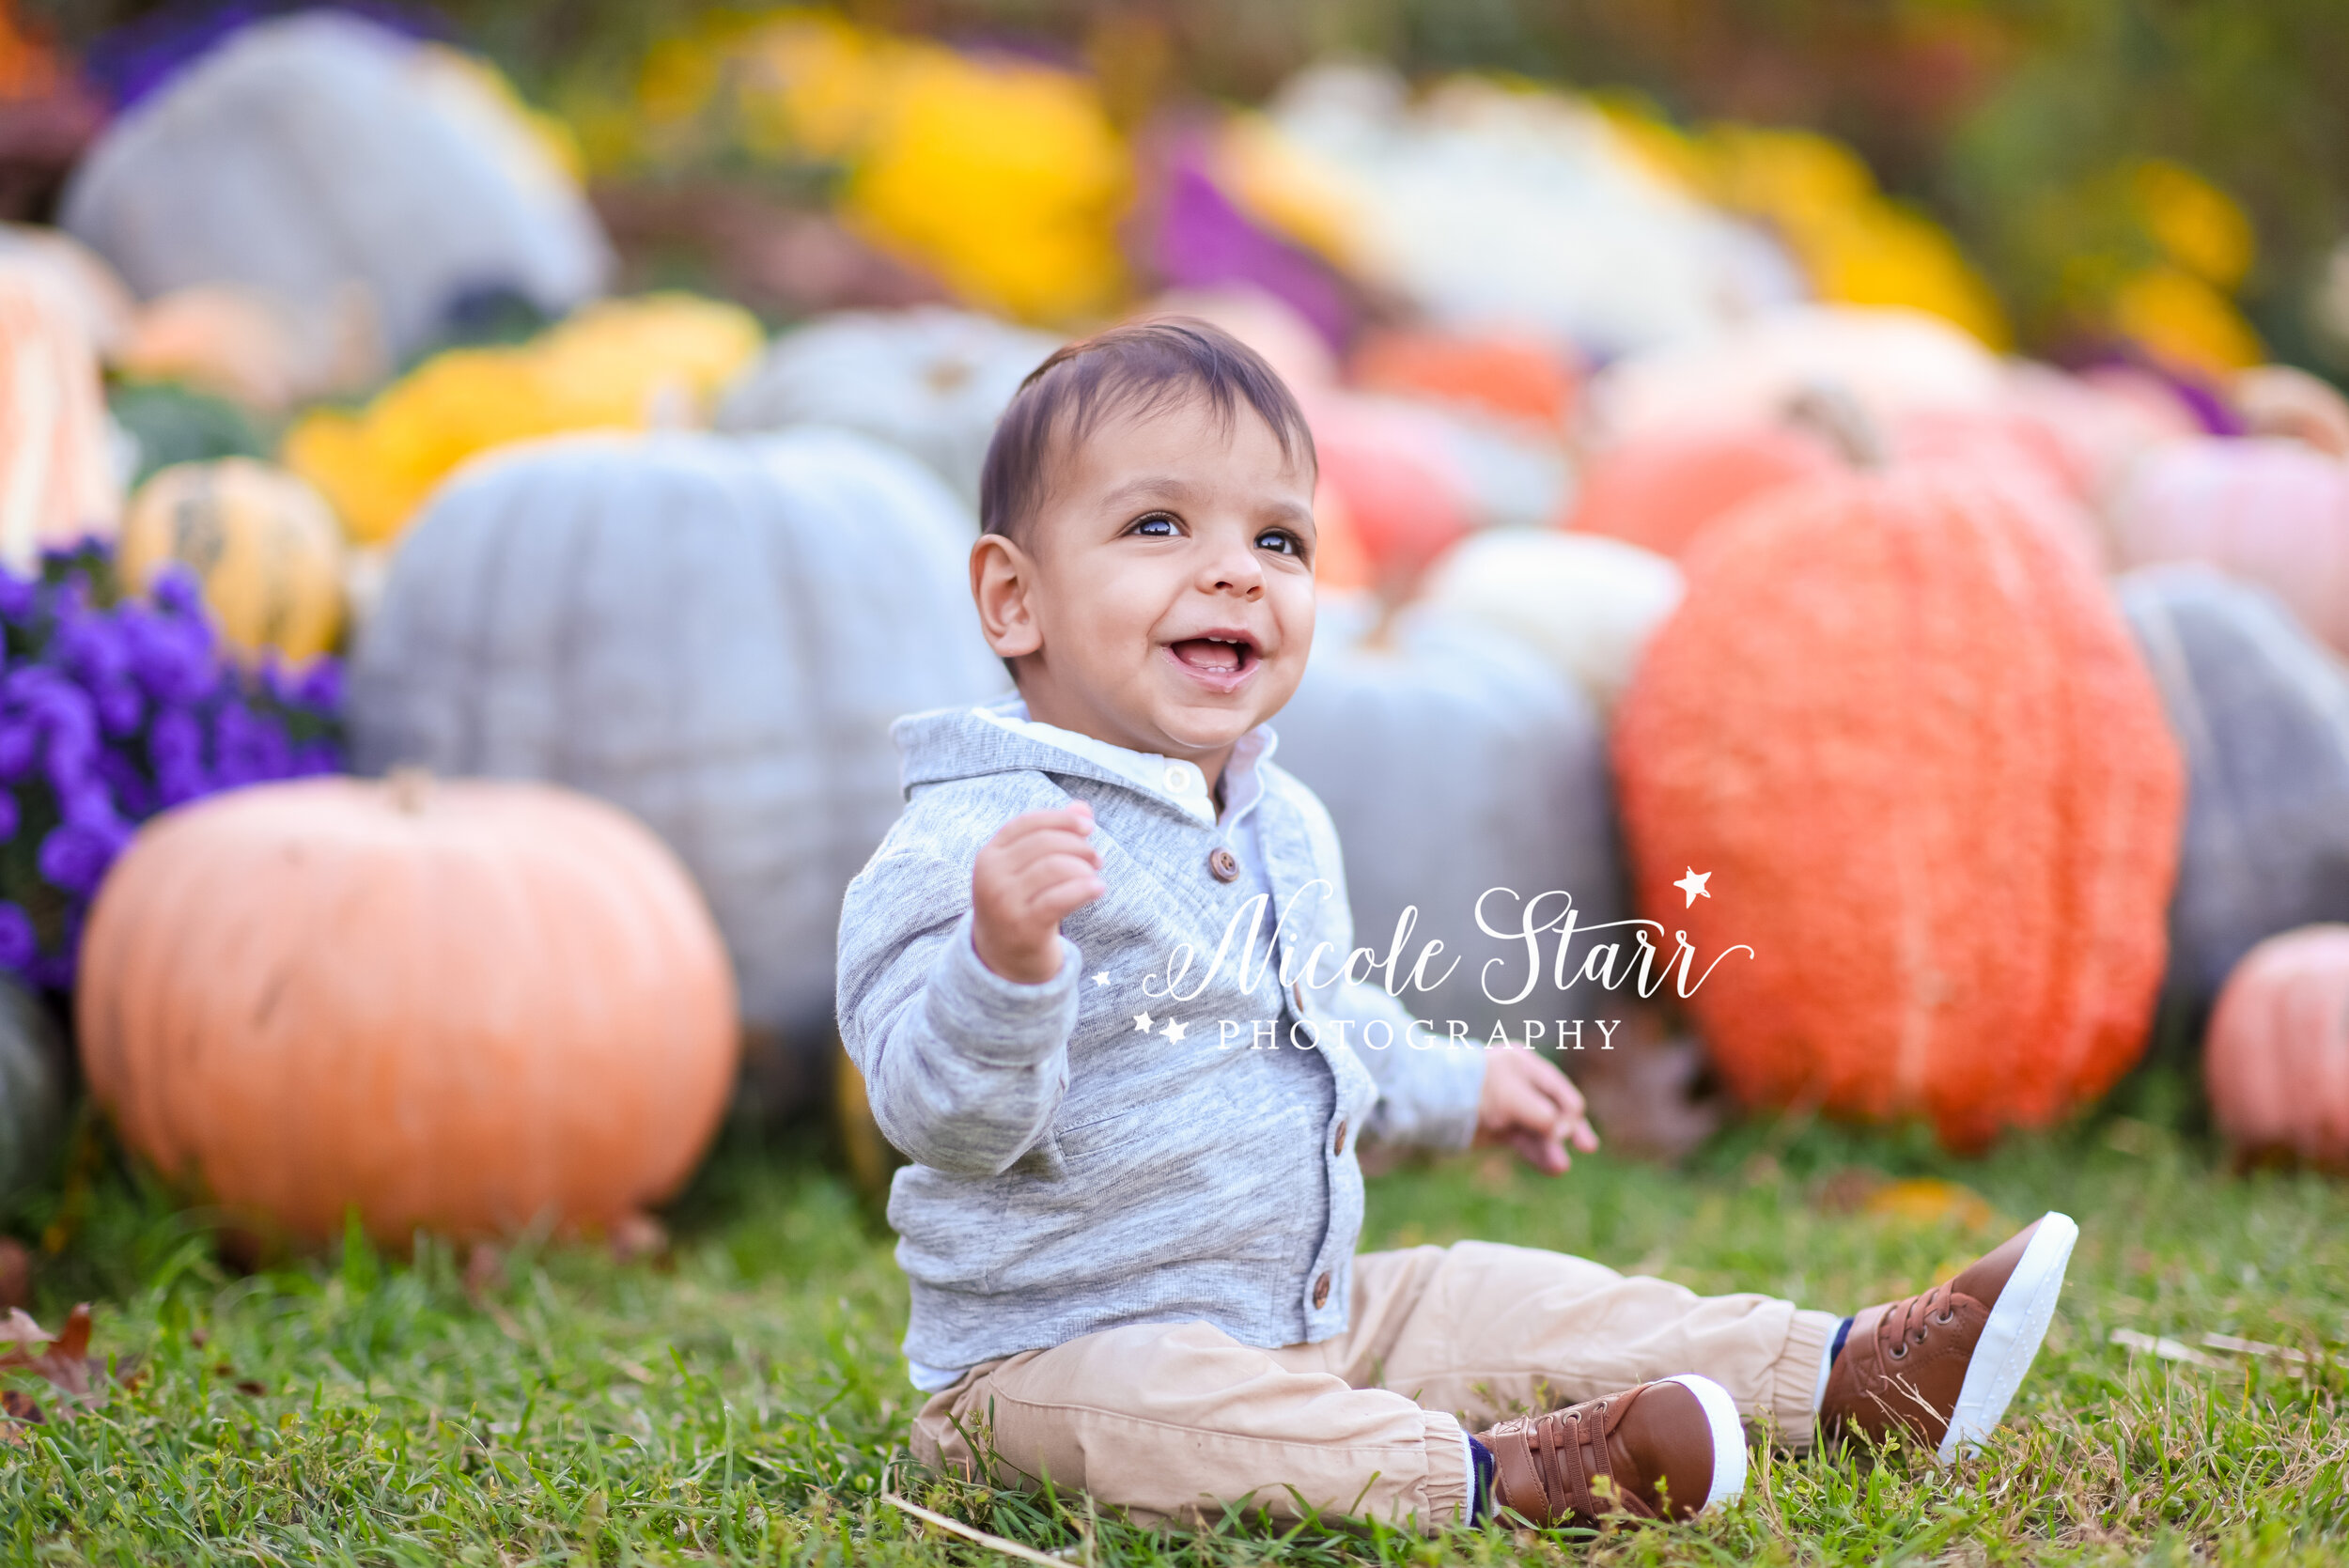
1216,655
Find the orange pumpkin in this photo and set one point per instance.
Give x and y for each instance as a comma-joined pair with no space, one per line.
1659,490
460,1005
1899,725
1507,377
57,476
2276,1058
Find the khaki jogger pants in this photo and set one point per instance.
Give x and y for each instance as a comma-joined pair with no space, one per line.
1175,1421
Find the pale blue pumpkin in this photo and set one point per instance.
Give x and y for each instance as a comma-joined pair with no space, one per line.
1453,759
2261,710
712,632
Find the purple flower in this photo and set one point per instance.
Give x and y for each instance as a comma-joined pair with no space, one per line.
248,747
20,741
19,597
11,815
177,592
19,944
321,687
174,659
75,855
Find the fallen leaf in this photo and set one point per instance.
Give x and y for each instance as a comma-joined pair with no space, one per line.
1929,1200
16,1273
485,1267
637,1235
2168,1350
66,1362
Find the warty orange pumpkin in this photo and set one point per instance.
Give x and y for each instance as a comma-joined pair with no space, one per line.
459,1005
1899,725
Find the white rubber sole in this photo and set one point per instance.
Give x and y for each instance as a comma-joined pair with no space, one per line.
1729,1438
2011,1339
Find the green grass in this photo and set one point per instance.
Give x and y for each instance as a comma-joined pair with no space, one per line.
743,1400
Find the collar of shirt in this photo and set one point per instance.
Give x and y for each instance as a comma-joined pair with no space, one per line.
1170,778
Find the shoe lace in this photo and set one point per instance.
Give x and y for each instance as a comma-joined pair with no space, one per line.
1909,1322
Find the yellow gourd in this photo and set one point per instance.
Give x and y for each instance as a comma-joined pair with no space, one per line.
263,545
623,364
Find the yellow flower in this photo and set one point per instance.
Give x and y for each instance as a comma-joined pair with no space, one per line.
2197,225
2182,318
624,362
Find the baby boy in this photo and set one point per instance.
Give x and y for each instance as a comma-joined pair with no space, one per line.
1097,980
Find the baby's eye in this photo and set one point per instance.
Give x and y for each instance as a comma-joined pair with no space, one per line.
1158,525
1279,540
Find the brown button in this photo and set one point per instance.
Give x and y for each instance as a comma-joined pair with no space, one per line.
1337,1144
1321,1292
1224,864
1296,993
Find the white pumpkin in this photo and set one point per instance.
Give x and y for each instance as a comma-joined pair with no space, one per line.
714,633
1455,760
59,478
310,150
930,380
1587,602
1893,362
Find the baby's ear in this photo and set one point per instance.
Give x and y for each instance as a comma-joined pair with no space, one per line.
1003,578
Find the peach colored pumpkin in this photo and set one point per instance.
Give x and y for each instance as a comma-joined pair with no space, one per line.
2277,1058
2285,400
2272,511
1659,490
460,1005
56,476
1901,727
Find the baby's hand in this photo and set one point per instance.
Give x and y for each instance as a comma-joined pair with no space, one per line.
1036,868
1533,1107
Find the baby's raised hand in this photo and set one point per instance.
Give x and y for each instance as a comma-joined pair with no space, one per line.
1036,868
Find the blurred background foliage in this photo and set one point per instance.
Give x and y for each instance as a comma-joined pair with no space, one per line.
2113,167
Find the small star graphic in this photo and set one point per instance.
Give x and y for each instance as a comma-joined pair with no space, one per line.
1102,977
1693,885
1142,1024
1174,1029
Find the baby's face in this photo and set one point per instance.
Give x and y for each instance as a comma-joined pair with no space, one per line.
1166,594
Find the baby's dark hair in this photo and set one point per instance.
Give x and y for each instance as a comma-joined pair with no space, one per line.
1133,369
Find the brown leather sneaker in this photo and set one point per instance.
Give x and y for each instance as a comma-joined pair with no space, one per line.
1665,1450
1941,1367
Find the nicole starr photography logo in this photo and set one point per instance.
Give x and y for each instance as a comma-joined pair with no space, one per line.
1548,940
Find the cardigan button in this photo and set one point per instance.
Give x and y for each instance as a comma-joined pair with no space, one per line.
1222,864
1321,1291
1337,1144
1296,994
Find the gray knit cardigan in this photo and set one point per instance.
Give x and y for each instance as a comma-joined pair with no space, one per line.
1074,1168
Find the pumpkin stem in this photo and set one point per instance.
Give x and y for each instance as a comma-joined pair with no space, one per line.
410,787
1829,409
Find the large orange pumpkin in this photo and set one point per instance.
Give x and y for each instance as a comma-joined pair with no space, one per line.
2276,1058
453,1004
1900,727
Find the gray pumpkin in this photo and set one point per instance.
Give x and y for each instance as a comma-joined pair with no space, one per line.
1454,761
714,633
310,150
2261,710
32,1090
930,380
